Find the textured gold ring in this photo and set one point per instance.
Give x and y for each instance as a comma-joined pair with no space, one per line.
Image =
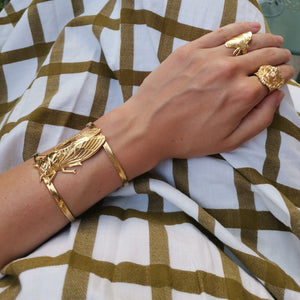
240,43
270,76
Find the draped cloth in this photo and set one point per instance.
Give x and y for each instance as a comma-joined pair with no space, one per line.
225,226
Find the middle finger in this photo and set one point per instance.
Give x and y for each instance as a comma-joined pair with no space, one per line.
258,41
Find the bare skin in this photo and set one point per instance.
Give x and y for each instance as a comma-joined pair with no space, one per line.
190,106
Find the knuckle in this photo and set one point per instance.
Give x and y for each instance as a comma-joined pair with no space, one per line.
272,38
227,68
220,31
231,144
247,92
182,53
271,53
269,35
243,88
253,94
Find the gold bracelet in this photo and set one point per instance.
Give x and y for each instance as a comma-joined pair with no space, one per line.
72,153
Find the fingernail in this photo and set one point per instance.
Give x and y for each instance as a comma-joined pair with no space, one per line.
279,39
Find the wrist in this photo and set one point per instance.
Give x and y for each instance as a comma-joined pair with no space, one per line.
127,134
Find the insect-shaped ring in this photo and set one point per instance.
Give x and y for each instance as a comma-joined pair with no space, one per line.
240,43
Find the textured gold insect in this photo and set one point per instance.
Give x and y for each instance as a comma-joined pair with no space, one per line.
240,42
68,154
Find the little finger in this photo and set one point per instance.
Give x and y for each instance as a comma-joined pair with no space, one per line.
259,118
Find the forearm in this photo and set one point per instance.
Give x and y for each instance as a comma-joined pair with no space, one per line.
29,214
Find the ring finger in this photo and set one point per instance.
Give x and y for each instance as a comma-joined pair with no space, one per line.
266,56
286,71
256,91
253,91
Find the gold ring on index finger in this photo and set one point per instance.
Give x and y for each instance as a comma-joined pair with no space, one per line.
270,76
240,43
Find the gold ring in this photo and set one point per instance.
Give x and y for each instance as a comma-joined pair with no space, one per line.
270,76
240,43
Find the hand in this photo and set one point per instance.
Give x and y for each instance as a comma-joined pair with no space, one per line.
203,100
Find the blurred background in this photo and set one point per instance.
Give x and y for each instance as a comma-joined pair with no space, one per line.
2,3
283,17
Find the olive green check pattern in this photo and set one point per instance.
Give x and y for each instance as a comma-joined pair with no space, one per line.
218,227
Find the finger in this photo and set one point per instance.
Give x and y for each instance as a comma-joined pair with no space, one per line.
258,41
286,71
265,40
223,34
253,91
256,120
267,56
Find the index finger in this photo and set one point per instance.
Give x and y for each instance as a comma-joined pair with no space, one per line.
223,34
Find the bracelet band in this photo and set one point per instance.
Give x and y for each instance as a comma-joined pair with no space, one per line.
113,158
115,163
60,202
72,153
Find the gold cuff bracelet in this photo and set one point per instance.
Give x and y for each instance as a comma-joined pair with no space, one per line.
72,153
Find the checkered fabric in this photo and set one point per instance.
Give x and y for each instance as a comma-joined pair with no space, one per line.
218,227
